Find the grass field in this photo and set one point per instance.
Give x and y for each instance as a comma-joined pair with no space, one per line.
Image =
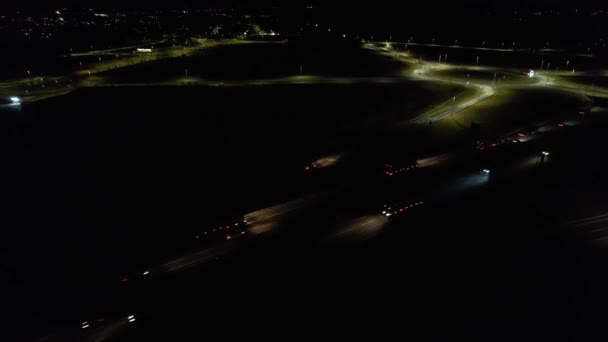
507,110
261,61
588,81
480,76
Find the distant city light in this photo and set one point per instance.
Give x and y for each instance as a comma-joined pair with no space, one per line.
531,73
15,100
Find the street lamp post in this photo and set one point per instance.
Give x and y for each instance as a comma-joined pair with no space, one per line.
542,64
567,64
477,61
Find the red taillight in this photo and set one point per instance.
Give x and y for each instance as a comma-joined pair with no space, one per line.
228,237
124,280
561,125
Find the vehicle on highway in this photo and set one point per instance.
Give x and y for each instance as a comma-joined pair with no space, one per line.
397,209
394,169
484,145
527,131
227,230
93,324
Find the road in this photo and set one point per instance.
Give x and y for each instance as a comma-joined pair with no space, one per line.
440,186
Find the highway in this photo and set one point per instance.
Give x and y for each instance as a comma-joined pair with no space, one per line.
443,179
452,175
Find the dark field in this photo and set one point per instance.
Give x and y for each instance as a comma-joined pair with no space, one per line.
486,77
588,82
513,108
261,61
